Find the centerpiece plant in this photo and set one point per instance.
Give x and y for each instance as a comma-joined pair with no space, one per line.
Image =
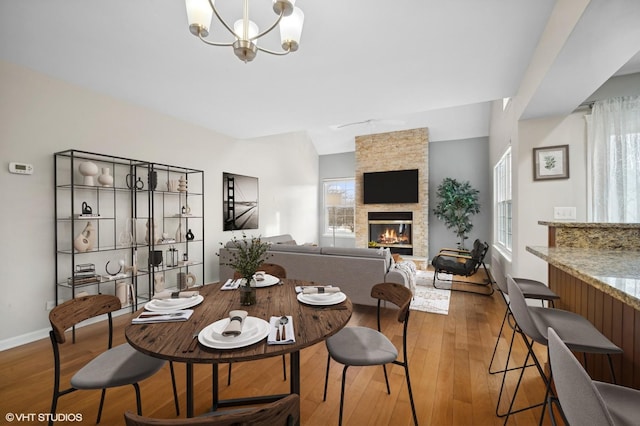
246,259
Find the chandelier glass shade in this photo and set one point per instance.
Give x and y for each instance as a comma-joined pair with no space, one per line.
244,31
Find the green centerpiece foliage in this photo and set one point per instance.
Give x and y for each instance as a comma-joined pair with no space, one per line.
249,255
458,202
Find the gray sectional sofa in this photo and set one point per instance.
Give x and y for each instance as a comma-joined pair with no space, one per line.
354,270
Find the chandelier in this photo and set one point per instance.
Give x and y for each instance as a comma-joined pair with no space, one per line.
246,34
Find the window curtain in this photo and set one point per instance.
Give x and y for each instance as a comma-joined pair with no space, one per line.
613,131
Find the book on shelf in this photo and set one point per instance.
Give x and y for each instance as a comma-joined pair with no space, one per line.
84,280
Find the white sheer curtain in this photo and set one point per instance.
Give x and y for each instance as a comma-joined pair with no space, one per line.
613,131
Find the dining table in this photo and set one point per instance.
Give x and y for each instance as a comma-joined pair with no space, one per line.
178,341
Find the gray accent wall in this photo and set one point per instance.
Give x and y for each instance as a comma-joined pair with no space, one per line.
463,159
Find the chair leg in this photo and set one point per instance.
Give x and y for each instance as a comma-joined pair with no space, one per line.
495,348
344,381
413,406
326,378
386,379
101,405
175,390
284,367
138,398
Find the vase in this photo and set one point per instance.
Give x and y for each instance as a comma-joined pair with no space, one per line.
152,180
86,240
88,170
248,292
189,236
105,179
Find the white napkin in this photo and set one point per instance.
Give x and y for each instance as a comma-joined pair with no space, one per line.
320,290
151,317
167,294
234,328
275,325
231,284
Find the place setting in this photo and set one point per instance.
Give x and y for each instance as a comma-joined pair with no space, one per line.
168,306
262,279
320,295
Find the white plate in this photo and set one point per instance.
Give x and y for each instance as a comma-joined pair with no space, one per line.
253,330
322,299
268,281
168,305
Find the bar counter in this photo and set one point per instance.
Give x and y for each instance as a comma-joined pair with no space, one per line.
595,269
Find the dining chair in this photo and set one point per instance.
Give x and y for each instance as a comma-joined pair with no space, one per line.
117,366
531,289
532,324
285,411
584,401
277,271
364,346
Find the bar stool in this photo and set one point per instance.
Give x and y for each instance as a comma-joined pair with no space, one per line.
532,324
531,289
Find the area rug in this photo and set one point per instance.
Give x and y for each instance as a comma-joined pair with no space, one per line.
430,299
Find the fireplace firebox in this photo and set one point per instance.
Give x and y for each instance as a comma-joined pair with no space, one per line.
392,230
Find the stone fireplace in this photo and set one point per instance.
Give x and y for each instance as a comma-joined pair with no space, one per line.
392,230
402,150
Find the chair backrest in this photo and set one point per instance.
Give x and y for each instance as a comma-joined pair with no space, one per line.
73,311
285,411
520,310
397,294
269,268
273,269
477,254
580,400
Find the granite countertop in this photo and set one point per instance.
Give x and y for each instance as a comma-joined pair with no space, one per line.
614,272
589,225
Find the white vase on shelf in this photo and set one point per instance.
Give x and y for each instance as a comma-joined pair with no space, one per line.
105,179
88,170
86,240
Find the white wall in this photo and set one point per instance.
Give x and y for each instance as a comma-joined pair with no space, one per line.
41,115
536,199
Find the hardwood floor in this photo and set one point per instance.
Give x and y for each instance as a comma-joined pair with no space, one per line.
448,358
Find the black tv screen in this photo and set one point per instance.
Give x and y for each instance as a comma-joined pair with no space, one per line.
398,186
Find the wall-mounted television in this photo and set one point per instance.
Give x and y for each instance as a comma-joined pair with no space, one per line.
397,186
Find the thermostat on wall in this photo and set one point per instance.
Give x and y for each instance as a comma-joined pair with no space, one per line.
21,168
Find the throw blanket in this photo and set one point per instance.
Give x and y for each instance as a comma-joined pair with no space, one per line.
408,268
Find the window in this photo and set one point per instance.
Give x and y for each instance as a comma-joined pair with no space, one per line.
614,157
502,201
339,206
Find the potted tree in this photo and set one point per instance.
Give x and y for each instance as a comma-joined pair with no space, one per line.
458,202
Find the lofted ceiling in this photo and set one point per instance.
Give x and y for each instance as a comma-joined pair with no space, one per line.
380,65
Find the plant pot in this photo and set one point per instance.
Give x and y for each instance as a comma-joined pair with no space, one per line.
247,295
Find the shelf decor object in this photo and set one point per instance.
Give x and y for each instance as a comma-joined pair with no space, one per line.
88,170
244,32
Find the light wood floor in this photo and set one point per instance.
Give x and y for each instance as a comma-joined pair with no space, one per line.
448,358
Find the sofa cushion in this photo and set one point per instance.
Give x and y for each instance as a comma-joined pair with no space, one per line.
295,248
277,239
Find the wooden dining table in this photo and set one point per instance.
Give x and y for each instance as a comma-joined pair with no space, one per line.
170,340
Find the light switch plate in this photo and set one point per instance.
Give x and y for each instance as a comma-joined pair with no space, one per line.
564,213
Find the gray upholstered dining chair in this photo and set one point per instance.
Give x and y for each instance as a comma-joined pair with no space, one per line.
117,366
584,401
283,412
277,271
364,346
532,324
